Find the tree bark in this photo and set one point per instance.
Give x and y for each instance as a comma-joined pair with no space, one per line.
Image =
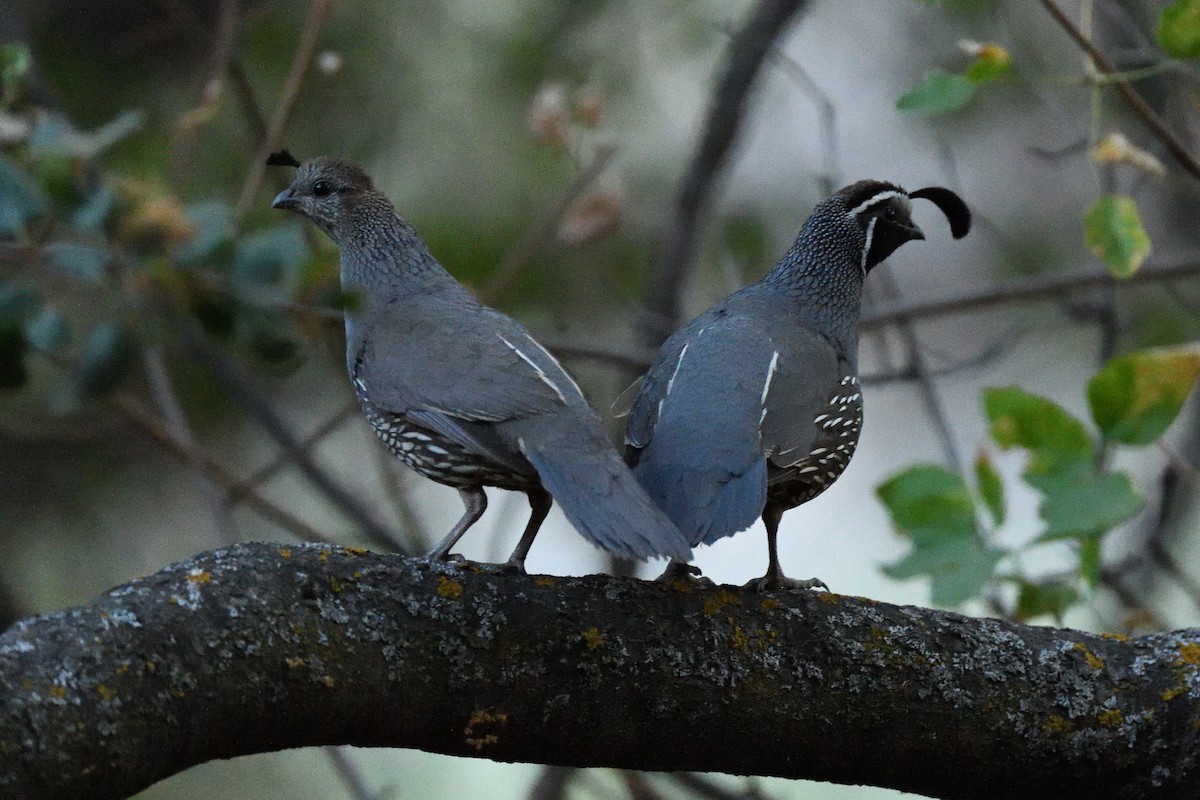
261,647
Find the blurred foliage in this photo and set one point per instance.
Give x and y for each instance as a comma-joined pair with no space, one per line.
952,531
1178,30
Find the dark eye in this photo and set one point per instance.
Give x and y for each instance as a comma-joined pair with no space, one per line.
889,213
321,189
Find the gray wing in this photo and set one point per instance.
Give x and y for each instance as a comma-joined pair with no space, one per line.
463,361
693,433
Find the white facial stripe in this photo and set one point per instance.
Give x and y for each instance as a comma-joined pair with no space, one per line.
678,364
879,198
540,372
867,244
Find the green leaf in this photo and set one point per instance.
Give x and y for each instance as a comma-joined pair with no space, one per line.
959,568
1023,419
1135,398
107,356
939,92
991,488
1179,29
1115,234
21,199
212,225
929,503
15,61
1081,503
1051,598
271,256
95,210
55,136
79,260
48,331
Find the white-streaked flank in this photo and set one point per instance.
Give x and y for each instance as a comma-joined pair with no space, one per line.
678,364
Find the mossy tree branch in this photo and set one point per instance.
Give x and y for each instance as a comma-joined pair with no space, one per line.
261,647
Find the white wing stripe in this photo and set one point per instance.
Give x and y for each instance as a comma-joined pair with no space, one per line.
540,372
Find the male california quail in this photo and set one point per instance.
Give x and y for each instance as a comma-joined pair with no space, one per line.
462,393
754,407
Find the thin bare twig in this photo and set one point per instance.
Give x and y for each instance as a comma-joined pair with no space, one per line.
500,281
140,417
831,169
1029,289
1154,122
171,409
305,445
350,775
248,396
318,15
222,51
748,49
934,407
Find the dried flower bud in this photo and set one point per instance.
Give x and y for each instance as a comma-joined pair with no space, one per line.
1115,148
587,105
591,218
547,116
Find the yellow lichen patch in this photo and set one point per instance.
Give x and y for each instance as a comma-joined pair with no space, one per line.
681,586
740,640
829,598
544,580
106,692
1116,637
1172,693
294,662
58,692
355,551
1094,661
448,588
719,600
121,670
199,576
323,557
357,574
286,552
151,666
1110,717
769,604
329,681
1056,724
481,717
593,638
335,585
1189,653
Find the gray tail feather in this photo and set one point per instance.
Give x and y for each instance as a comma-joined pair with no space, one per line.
705,509
602,500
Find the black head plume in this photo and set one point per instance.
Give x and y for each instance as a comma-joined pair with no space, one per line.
282,158
951,205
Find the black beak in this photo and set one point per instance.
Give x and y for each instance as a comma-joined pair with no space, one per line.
285,199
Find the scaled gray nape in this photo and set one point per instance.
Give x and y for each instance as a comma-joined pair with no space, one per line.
463,394
754,407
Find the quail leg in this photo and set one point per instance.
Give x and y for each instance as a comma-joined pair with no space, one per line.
540,502
476,503
775,579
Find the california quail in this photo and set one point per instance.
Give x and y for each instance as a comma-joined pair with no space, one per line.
462,393
754,407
